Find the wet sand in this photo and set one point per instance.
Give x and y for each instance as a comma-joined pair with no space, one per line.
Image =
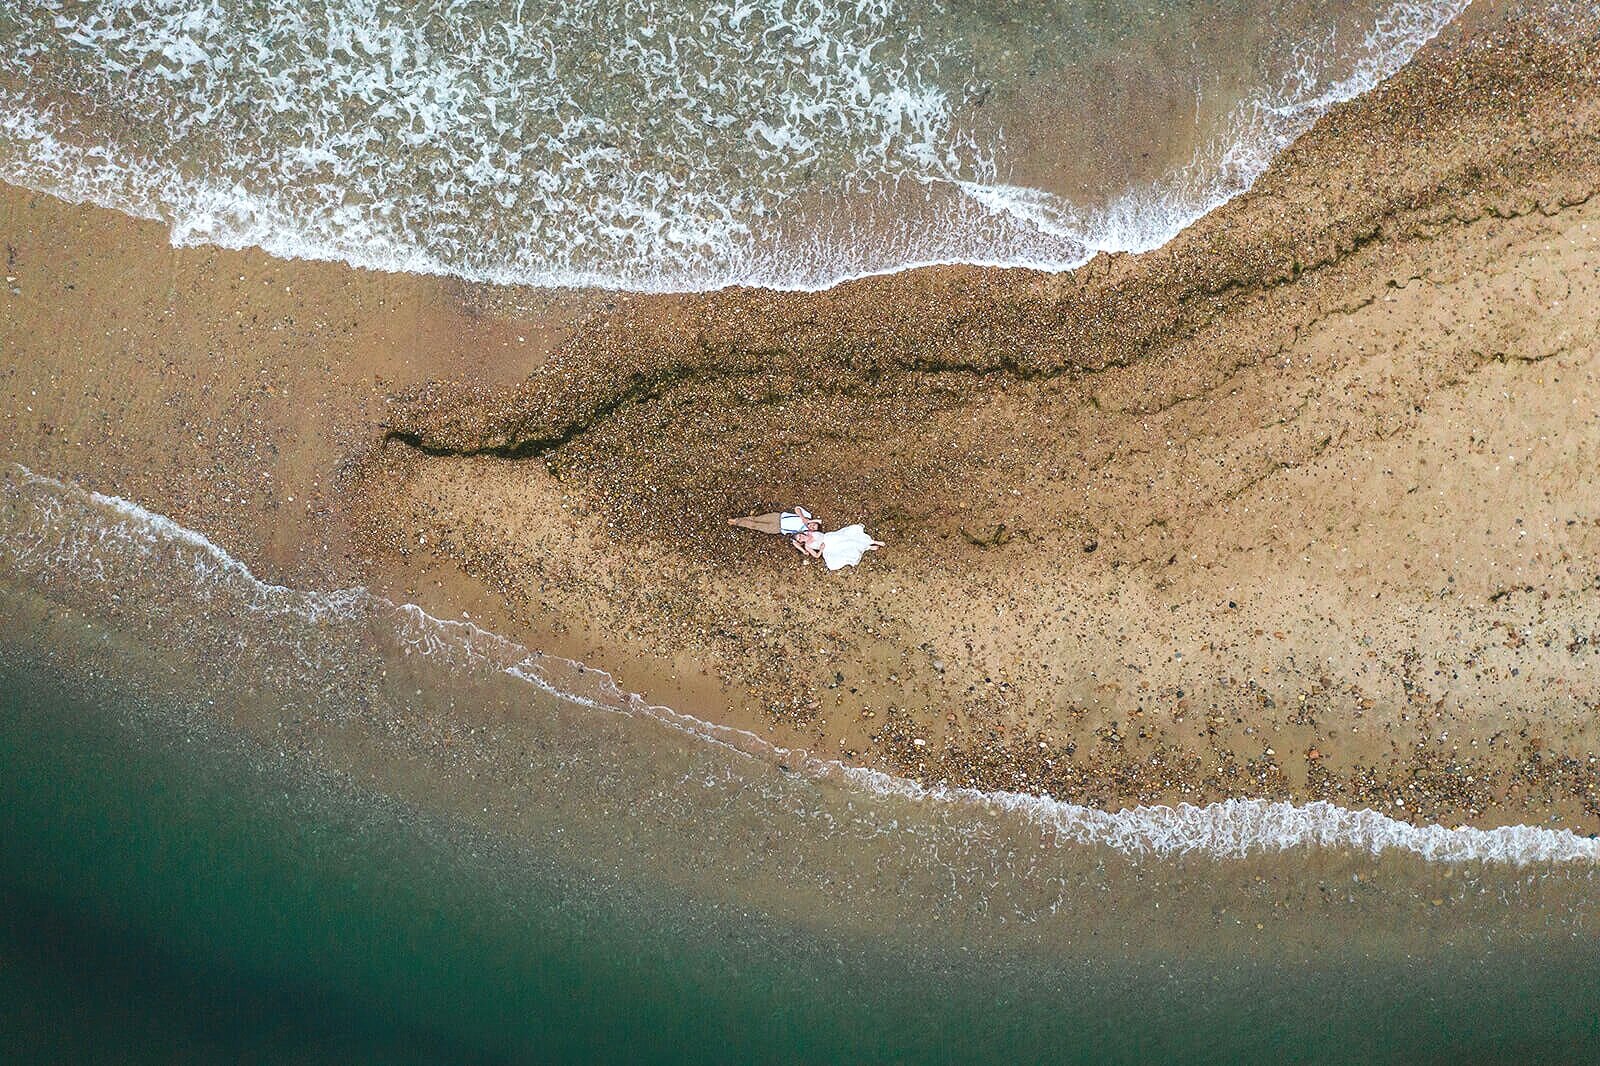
1304,504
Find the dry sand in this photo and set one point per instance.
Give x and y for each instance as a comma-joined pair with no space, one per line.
1303,504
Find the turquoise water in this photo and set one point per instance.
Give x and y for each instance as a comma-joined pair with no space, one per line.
247,823
180,897
241,823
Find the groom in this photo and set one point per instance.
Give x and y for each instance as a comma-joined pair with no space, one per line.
797,525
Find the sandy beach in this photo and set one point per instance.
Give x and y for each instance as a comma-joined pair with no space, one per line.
1303,504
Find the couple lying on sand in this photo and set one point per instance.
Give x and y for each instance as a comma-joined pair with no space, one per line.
842,547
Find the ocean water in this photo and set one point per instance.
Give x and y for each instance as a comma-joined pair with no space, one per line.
245,822
686,145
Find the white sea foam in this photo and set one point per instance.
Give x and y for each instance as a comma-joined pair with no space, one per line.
50,526
644,145
1241,827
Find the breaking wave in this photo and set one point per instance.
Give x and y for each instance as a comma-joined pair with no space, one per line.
645,145
53,532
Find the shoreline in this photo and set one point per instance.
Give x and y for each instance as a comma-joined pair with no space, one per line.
1050,477
1240,829
1134,144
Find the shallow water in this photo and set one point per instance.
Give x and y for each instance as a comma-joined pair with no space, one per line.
246,822
245,819
683,145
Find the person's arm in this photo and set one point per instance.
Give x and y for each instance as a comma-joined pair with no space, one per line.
802,512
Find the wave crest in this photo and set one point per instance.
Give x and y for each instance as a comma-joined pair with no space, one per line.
789,144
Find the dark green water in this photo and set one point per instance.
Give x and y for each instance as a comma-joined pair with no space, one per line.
184,901
244,824
174,899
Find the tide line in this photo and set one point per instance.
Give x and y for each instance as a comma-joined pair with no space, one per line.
1232,828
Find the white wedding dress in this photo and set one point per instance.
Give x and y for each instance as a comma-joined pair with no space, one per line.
845,547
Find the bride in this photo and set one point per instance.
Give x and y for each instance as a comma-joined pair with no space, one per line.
840,548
